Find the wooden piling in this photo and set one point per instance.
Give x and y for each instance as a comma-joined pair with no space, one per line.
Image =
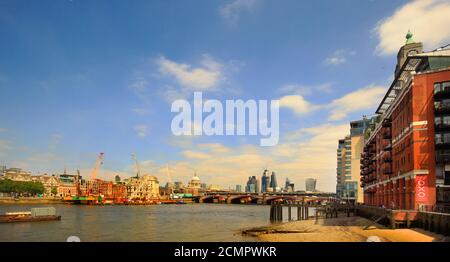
289,213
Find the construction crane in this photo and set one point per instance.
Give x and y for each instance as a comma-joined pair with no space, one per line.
133,156
170,183
98,162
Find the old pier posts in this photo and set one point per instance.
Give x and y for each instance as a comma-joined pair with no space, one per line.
276,212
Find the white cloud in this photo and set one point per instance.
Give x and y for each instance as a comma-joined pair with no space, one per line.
189,154
2,129
339,57
141,130
304,90
297,104
361,99
428,20
233,9
194,78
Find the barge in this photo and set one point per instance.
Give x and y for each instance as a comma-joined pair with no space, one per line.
36,215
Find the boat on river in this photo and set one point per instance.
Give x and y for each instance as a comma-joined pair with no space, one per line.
35,215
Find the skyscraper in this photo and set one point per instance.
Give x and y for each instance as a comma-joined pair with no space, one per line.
251,185
273,182
310,185
288,186
265,181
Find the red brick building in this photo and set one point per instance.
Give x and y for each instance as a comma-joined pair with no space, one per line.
405,163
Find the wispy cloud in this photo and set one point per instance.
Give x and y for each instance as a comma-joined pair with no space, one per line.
204,77
361,99
141,130
428,20
139,86
5,147
55,139
339,57
2,129
233,9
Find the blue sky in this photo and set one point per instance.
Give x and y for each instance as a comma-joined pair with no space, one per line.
82,77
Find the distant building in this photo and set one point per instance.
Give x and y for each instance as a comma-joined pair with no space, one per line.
238,188
348,161
265,181
17,174
273,182
310,185
213,188
288,186
117,179
67,186
251,185
145,187
178,186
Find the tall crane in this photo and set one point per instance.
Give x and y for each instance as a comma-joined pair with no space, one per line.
133,156
170,184
98,162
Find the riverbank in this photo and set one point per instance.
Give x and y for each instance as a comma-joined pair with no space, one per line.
341,229
30,200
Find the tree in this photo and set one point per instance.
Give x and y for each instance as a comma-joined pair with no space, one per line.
21,187
54,191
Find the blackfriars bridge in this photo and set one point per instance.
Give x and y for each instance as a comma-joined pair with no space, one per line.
266,198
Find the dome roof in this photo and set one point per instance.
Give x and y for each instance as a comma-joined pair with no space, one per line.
195,178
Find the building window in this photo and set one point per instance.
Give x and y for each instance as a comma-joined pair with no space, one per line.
437,121
446,120
446,138
438,138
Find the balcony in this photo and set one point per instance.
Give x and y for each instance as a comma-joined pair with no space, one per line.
386,122
443,141
442,159
442,94
441,108
387,158
387,147
387,133
442,127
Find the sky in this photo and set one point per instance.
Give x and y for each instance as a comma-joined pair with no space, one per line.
81,77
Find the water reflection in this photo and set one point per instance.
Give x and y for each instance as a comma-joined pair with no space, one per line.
196,222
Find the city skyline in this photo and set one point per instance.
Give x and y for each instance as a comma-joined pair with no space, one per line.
79,81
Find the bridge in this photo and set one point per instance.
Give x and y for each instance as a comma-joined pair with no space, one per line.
265,198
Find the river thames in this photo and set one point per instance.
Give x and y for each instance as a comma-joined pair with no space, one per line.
190,222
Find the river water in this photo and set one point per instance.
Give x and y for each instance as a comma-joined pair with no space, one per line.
190,222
